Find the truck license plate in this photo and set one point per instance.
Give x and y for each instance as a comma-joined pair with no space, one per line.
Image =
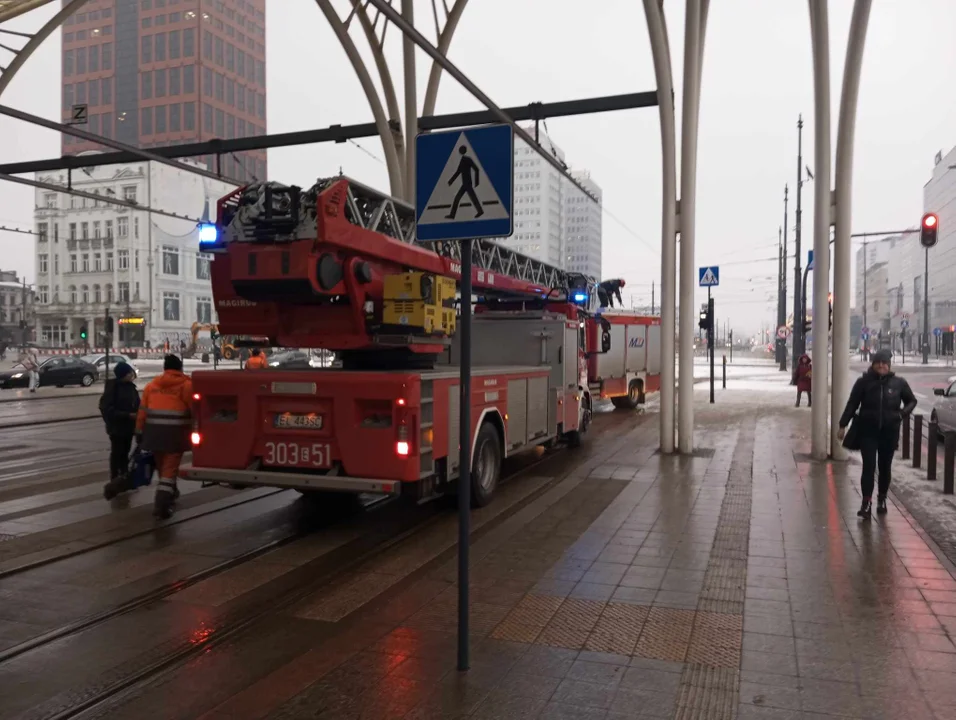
293,454
302,421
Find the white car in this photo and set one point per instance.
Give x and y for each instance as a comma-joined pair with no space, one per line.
99,361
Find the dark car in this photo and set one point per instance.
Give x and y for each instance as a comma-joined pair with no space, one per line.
57,371
290,360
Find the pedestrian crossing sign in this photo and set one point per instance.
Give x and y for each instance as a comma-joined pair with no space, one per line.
464,183
708,276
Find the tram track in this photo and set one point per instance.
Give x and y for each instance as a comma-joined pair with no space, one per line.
379,535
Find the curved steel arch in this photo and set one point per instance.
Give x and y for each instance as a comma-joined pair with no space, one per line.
444,42
22,55
392,160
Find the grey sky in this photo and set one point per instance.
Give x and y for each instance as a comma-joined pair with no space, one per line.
757,79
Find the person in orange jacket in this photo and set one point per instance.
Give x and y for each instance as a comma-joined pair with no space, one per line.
256,361
163,427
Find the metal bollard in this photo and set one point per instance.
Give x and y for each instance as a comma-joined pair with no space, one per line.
906,438
949,455
724,371
932,449
917,440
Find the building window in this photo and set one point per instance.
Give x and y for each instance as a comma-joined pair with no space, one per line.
122,227
97,296
146,49
106,93
67,63
72,294
175,118
94,58
189,116
159,83
56,264
160,47
44,294
106,55
220,87
171,306
41,232
84,227
96,225
43,262
204,310
98,262
81,61
136,261
108,227
72,226
109,293
85,290
146,85
129,193
123,258
207,45
189,42
202,267
174,48
49,200
189,79
109,262
207,82
160,111
219,52
136,228
124,292
175,85
170,260
207,118
86,262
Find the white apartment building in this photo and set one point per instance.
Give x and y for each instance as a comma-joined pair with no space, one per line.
545,202
875,304
582,222
538,204
145,268
907,260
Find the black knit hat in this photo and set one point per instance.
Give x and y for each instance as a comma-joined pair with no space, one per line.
881,356
172,362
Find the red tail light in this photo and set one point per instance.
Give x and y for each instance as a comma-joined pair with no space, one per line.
401,448
195,438
196,396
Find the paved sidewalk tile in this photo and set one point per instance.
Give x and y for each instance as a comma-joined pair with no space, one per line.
737,583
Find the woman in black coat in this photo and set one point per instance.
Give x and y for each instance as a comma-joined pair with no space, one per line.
877,394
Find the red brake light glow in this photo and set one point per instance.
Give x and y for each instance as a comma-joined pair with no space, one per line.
401,448
400,401
195,396
195,438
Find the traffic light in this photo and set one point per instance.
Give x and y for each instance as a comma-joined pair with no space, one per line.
928,230
83,333
704,322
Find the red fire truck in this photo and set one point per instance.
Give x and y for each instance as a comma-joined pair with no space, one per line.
336,267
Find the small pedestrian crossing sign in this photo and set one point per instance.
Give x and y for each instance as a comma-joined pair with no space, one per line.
465,183
708,276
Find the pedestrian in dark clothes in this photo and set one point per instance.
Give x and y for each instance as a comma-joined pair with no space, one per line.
803,375
877,394
119,405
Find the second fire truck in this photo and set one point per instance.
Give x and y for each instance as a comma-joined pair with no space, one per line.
336,267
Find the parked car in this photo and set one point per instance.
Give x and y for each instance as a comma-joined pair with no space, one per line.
57,371
99,362
944,409
290,360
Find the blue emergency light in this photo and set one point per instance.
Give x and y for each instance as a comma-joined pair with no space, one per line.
580,297
208,233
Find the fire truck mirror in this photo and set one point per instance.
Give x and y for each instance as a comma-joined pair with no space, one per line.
605,341
328,272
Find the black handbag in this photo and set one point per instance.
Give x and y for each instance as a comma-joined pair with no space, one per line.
851,439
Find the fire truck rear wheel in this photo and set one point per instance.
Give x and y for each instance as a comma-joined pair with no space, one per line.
485,465
629,401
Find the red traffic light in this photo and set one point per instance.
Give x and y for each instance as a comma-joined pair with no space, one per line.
929,228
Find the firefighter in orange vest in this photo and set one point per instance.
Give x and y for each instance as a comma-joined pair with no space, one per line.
257,361
163,427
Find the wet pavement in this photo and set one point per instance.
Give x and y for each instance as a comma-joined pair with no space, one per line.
610,582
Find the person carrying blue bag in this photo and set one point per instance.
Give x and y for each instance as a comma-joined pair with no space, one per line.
118,406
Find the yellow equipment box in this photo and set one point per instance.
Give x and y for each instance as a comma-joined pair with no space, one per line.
420,301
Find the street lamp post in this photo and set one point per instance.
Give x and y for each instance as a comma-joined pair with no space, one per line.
926,307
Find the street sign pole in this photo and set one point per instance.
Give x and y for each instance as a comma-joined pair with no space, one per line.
477,162
464,462
710,342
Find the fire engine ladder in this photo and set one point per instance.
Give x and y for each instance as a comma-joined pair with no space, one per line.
374,210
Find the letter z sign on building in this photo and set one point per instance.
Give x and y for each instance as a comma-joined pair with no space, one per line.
464,186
